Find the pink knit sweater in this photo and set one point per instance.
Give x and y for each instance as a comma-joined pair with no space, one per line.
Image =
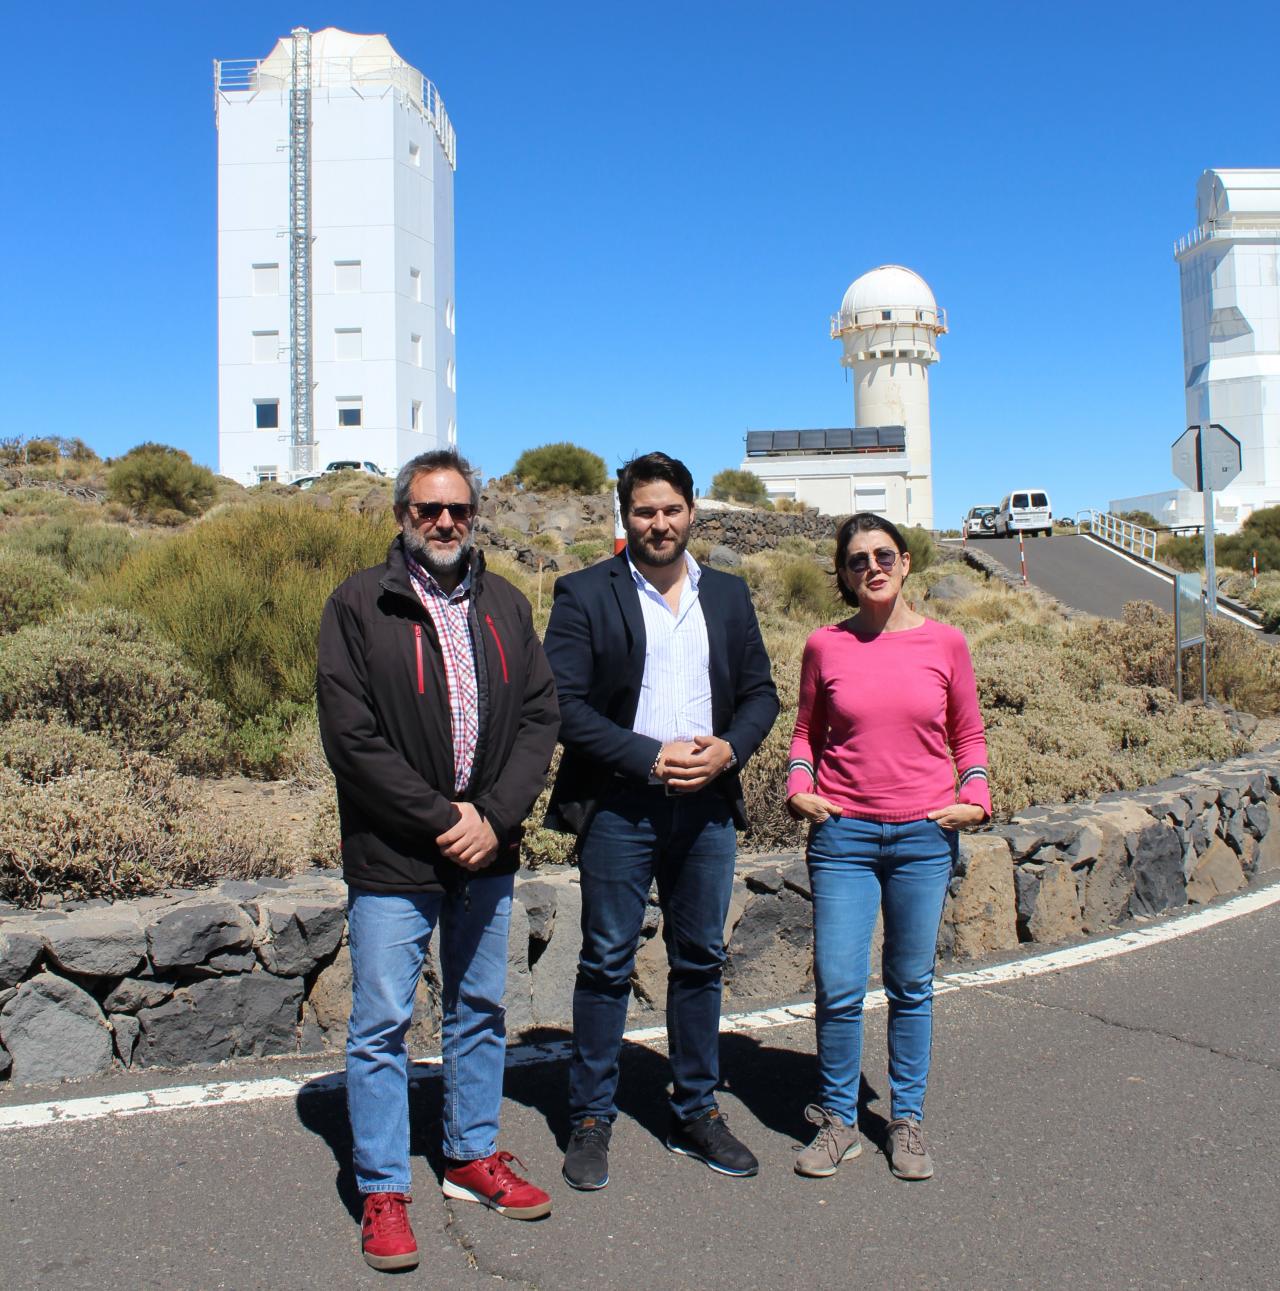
877,718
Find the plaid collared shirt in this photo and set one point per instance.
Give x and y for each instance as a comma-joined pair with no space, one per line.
449,613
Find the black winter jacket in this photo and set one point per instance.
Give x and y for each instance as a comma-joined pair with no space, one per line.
385,725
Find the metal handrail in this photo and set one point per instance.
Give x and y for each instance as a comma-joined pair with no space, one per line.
1124,534
239,75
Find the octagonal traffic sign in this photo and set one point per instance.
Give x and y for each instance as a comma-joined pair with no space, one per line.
1206,457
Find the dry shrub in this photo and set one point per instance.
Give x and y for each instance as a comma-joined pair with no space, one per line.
117,832
39,751
548,542
1265,598
324,845
37,502
81,547
794,545
240,595
1243,671
1063,725
588,551
32,589
107,672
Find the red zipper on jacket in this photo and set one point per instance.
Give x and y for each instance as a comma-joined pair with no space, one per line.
417,641
502,654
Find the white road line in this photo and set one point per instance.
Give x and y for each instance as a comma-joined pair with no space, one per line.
177,1098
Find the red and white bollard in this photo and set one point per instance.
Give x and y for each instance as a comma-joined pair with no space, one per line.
1022,555
619,532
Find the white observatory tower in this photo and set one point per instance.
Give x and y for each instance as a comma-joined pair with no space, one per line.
889,324
335,259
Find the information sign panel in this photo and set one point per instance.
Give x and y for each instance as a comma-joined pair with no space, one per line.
1188,629
1189,610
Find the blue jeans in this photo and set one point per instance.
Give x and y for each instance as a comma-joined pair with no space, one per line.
388,934
856,868
688,844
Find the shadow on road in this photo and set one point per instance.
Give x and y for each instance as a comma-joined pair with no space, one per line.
774,1086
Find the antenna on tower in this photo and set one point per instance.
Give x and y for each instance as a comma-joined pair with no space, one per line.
302,442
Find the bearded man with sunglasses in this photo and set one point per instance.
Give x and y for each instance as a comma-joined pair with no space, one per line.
438,716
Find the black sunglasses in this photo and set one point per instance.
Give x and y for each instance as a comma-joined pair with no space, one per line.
459,512
886,558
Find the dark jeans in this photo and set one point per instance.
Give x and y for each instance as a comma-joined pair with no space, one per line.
688,844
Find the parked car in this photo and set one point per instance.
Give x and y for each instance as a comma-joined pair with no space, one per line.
304,481
369,468
980,522
1024,511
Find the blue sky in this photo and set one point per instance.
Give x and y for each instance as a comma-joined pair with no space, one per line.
658,208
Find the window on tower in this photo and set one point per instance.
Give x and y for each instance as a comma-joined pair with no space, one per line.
267,414
346,275
415,349
415,415
266,279
350,411
347,344
266,347
415,284
415,154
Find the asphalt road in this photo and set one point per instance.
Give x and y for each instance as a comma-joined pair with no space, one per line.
1109,1125
1081,573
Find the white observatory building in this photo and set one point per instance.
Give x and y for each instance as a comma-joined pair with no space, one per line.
335,259
1230,269
888,325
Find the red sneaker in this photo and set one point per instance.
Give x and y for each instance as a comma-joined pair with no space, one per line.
385,1236
492,1182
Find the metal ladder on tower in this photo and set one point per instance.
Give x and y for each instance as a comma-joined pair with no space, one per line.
302,444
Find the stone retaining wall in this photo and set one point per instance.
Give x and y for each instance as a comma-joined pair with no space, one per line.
251,969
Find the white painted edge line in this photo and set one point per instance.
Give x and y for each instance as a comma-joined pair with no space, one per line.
177,1098
1156,572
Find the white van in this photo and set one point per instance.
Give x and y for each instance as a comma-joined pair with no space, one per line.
1024,511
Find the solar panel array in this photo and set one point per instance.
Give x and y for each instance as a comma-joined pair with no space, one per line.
863,439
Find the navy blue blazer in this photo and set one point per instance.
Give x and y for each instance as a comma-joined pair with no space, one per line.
595,644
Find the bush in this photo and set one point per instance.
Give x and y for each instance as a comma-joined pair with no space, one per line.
1144,518
37,502
1182,553
156,481
79,547
738,486
590,551
1243,671
41,452
807,593
39,751
920,545
108,673
561,464
117,832
32,589
240,596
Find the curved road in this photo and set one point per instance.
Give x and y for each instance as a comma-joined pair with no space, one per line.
1109,1124
1081,573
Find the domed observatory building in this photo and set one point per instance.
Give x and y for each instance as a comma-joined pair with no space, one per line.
335,259
888,326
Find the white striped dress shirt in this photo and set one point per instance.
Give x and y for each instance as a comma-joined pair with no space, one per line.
675,695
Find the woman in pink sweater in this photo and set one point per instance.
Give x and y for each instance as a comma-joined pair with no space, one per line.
888,761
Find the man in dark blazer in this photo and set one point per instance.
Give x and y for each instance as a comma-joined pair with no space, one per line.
665,691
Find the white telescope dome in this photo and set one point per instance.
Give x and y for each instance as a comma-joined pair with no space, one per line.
891,286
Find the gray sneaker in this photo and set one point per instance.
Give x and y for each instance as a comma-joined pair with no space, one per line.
908,1157
834,1142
